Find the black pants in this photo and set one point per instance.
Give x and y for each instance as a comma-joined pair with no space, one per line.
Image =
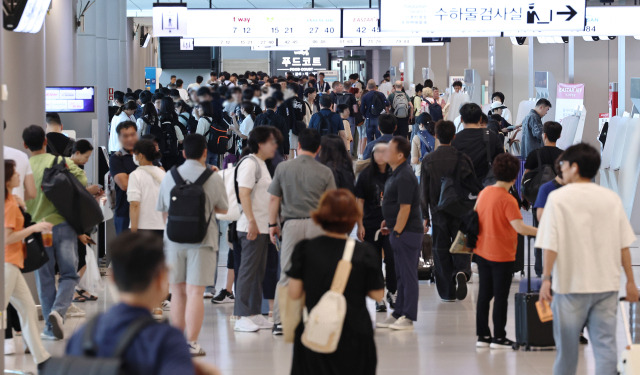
389,263
403,127
495,281
13,322
447,265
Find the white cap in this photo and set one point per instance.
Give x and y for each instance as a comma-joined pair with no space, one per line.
497,105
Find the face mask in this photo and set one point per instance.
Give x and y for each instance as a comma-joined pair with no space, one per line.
135,161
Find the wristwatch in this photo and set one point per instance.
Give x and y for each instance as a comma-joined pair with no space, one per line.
395,233
273,225
546,278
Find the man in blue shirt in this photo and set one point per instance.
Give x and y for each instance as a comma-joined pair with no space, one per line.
532,127
326,121
387,124
538,206
370,100
141,276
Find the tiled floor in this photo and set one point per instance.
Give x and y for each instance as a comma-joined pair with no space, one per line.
443,342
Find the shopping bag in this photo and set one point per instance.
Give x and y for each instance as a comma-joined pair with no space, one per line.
91,281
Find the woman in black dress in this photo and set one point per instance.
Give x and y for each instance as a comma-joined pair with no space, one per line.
313,265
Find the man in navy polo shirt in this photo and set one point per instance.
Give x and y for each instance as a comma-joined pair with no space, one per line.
121,164
326,121
141,276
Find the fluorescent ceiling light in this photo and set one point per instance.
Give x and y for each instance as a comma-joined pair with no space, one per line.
32,17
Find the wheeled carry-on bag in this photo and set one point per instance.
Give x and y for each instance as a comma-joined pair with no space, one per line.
630,360
425,263
531,333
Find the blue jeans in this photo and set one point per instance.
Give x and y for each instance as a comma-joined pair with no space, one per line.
212,159
406,253
371,124
571,312
64,252
121,223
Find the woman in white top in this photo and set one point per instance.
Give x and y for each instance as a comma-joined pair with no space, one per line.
124,113
143,189
246,126
148,119
205,120
183,111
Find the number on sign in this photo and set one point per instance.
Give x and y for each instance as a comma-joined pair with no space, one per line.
288,30
244,30
313,30
275,30
329,30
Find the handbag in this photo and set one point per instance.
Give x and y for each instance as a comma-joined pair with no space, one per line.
323,325
462,244
36,256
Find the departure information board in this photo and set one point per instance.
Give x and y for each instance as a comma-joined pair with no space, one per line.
260,23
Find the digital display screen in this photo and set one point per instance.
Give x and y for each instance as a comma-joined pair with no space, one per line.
70,99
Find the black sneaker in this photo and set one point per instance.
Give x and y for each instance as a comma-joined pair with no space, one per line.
483,342
391,299
277,330
381,307
223,297
461,286
583,340
503,344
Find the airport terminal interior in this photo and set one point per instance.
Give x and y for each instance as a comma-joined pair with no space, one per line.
430,187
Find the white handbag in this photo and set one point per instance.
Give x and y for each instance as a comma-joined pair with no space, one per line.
323,325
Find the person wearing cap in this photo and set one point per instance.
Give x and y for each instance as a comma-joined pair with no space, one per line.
499,97
497,123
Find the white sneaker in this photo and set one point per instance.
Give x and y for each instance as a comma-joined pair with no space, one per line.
57,324
48,337
166,305
208,295
9,347
75,312
196,350
245,324
261,321
387,322
402,324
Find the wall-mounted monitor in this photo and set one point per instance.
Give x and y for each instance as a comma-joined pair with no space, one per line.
72,99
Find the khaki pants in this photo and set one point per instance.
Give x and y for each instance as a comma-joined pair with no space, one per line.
293,231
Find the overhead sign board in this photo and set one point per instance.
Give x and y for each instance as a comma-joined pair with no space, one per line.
186,44
300,62
233,42
264,23
482,15
170,19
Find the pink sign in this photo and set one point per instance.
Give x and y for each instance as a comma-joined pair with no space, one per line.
569,98
570,91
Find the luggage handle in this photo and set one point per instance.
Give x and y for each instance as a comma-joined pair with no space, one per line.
529,264
625,321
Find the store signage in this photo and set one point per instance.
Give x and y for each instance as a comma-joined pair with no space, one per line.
186,44
482,15
264,23
569,97
300,62
233,42
170,20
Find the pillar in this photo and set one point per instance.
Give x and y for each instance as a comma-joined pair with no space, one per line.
622,75
23,61
60,43
2,296
409,65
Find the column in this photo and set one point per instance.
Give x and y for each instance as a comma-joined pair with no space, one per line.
23,62
622,75
409,65
2,296
60,39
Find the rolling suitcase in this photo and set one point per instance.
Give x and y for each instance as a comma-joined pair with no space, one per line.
425,264
531,333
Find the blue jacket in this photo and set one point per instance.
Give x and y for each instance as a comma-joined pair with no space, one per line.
385,138
531,133
334,121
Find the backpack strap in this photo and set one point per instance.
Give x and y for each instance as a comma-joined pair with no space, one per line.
424,140
487,139
235,176
203,177
343,271
89,346
176,176
130,333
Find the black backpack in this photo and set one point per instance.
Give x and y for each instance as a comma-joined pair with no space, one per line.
342,99
72,200
532,181
217,137
377,104
435,110
324,127
89,363
168,140
188,222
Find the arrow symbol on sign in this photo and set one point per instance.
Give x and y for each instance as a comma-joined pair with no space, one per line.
571,13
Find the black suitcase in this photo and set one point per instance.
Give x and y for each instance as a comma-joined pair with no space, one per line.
425,264
531,333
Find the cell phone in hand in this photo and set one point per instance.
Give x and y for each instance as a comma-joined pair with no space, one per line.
278,243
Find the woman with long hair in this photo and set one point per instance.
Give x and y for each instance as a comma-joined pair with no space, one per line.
334,155
16,289
124,113
148,120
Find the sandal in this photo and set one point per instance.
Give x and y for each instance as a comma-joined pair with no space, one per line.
87,296
79,299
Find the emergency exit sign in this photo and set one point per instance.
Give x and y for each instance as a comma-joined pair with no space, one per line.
482,15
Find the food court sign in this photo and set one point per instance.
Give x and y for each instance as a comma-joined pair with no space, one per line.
299,62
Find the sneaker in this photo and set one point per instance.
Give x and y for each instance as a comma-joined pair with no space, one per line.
277,330
196,350
246,324
483,342
503,344
207,295
166,305
387,322
261,321
402,324
75,312
209,292
48,336
448,300
223,297
391,299
57,324
158,314
381,307
583,340
461,286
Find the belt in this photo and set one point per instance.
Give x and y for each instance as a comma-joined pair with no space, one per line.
294,218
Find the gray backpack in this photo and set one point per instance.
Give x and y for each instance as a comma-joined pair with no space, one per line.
400,105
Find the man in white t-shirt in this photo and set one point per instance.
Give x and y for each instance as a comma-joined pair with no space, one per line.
586,236
253,229
27,188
